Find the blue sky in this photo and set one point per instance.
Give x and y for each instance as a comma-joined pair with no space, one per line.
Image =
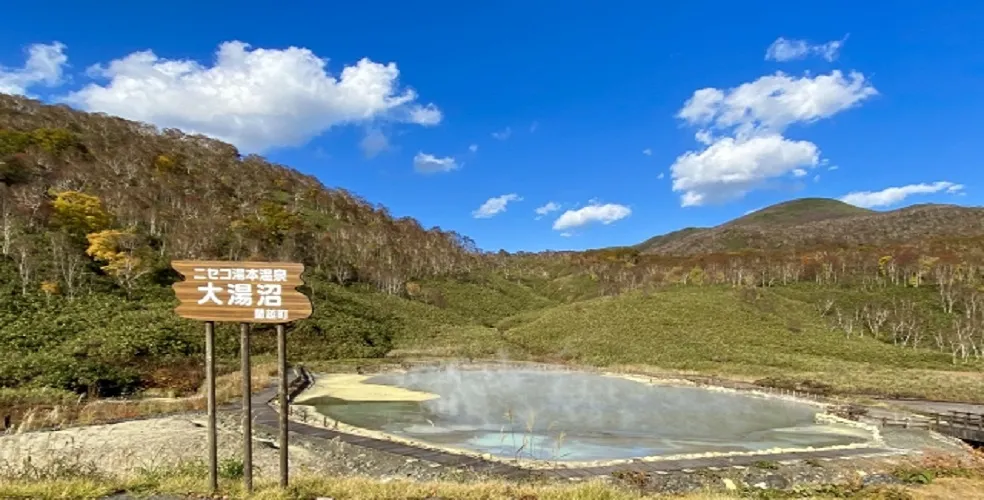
598,100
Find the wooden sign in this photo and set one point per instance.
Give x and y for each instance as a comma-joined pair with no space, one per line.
241,292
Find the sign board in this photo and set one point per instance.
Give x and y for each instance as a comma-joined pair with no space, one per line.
241,292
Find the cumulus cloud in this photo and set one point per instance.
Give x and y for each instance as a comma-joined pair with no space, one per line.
546,209
774,102
44,66
594,212
494,206
473,148
257,99
425,115
741,131
502,134
429,164
729,168
784,49
894,195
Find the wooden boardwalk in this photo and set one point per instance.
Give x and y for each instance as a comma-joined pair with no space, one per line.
961,425
265,415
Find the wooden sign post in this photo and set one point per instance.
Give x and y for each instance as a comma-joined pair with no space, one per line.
244,293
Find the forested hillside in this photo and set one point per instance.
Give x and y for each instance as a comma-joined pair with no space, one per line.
93,208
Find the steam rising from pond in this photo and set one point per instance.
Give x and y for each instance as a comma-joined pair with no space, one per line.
565,415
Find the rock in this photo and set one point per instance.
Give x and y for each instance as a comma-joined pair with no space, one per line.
880,479
729,484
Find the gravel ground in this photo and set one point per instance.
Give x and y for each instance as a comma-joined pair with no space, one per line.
129,447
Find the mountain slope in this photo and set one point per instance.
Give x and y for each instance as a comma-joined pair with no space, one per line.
801,211
816,222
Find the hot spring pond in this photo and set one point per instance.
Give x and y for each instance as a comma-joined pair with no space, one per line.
577,416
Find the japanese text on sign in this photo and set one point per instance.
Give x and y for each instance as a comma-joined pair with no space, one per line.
256,292
269,295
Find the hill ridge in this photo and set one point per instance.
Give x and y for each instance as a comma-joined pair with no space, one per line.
813,222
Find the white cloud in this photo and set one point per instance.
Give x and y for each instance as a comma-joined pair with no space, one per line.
495,205
594,212
752,117
895,195
729,168
647,152
473,148
546,209
502,134
44,66
429,164
373,143
425,115
257,99
788,50
661,175
773,102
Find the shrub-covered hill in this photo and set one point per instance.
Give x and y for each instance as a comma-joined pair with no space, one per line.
818,222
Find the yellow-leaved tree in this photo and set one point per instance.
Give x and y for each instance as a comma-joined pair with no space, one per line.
79,213
74,215
120,251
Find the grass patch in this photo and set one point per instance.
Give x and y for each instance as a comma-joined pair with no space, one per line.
723,331
485,299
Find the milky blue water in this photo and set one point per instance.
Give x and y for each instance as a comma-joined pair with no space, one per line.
577,416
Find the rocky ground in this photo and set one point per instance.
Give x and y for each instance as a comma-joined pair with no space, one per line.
148,444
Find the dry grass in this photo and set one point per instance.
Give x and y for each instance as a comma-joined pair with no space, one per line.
941,465
59,412
338,488
950,489
192,482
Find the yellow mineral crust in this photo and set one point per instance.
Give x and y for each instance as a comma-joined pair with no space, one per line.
352,387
